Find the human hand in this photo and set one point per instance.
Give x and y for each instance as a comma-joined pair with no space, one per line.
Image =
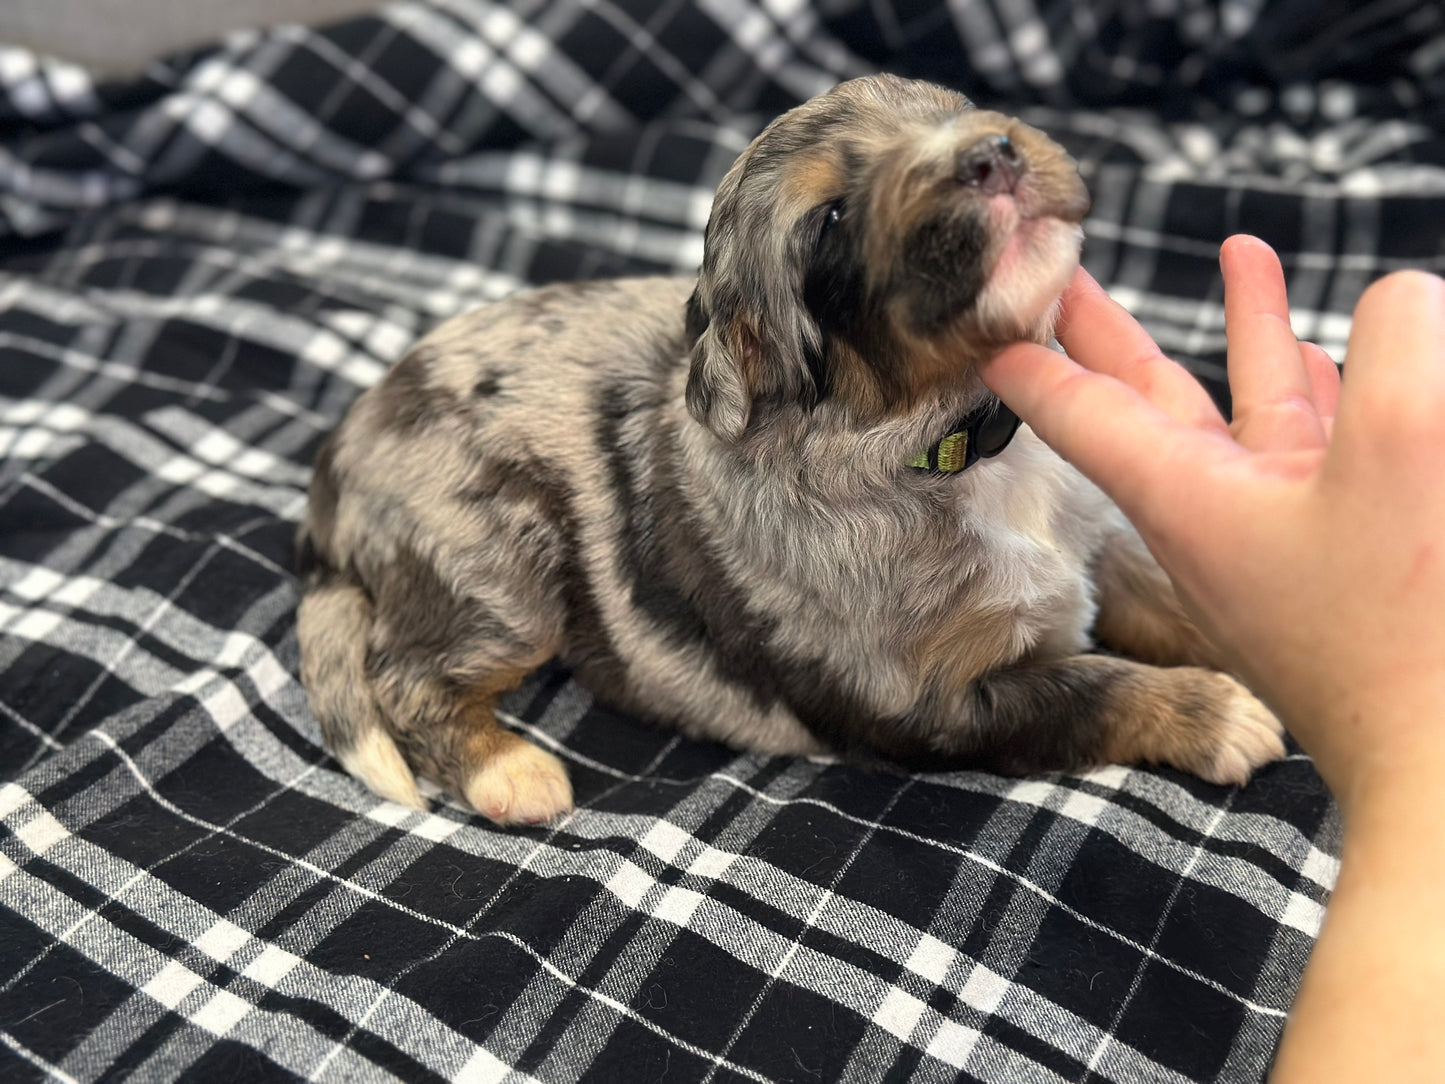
1307,538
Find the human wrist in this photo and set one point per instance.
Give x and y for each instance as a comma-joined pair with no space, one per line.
1391,792
1377,743
1367,1007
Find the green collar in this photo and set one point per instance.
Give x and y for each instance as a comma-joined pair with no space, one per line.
980,434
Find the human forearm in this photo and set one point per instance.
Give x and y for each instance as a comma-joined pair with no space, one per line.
1369,1006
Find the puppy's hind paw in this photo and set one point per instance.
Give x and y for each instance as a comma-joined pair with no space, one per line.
519,784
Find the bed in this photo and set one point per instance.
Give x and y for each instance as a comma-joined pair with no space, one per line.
203,264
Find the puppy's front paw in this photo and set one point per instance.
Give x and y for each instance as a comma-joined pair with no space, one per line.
1250,736
1222,731
520,784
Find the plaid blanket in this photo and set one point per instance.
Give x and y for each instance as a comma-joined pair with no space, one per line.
201,267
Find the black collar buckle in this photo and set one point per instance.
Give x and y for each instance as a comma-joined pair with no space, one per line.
980,434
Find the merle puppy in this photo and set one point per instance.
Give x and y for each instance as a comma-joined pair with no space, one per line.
772,506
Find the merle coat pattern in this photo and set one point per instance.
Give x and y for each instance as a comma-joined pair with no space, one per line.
696,493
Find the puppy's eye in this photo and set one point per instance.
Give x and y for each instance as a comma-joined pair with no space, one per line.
832,215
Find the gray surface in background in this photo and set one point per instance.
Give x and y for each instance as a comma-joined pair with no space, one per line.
122,35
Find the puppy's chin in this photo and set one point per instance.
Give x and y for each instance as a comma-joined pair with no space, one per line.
1034,264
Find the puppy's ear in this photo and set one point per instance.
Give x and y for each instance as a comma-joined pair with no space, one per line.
718,392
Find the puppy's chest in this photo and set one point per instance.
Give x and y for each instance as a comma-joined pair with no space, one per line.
1021,534
957,588
1029,549
1017,552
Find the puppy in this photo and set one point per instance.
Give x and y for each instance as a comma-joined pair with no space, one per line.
774,506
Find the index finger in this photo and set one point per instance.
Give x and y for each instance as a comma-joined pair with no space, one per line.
1100,334
1118,438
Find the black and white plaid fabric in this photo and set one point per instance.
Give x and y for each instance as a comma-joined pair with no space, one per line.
201,267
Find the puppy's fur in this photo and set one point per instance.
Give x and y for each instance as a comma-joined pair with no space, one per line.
696,494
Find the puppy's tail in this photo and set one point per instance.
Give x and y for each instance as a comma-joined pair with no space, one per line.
332,626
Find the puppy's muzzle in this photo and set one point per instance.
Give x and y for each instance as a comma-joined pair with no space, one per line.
993,165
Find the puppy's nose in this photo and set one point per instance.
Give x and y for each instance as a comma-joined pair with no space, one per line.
993,165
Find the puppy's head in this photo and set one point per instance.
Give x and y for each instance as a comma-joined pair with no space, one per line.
872,245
